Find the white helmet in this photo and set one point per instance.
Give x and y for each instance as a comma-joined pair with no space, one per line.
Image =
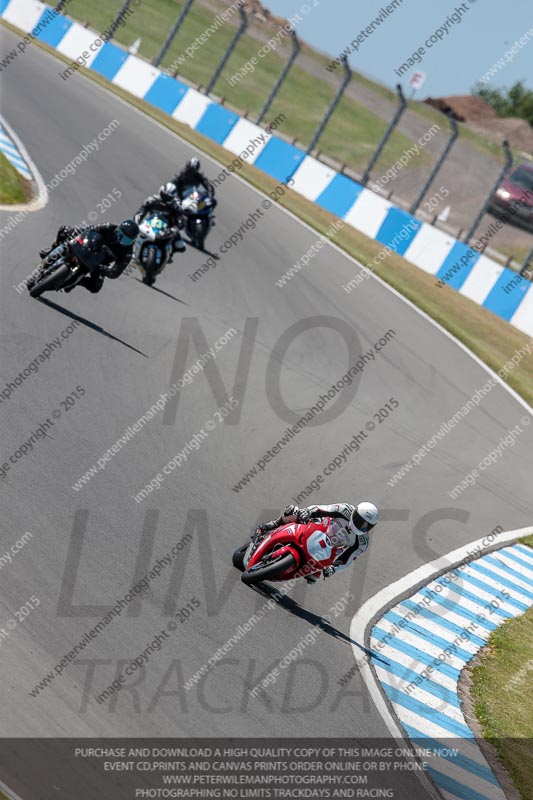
168,191
364,517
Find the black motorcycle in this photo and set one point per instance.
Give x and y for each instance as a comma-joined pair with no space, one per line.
69,263
197,213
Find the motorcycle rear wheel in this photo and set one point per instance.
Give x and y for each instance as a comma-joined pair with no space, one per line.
269,572
55,280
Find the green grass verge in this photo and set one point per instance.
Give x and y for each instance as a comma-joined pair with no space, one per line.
503,699
352,133
517,253
487,335
13,188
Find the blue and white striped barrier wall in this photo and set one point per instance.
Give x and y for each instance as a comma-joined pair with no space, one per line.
420,646
475,276
9,148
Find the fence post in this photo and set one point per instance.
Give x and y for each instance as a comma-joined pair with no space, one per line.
439,163
236,36
402,105
508,162
175,28
281,79
527,265
114,25
335,102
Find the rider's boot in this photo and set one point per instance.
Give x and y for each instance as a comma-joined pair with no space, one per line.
178,245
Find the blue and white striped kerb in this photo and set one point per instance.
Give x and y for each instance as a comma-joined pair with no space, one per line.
13,155
475,276
420,647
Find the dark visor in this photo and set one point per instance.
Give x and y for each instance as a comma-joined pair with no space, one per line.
123,238
360,523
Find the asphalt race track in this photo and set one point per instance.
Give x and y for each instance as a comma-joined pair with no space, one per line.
90,546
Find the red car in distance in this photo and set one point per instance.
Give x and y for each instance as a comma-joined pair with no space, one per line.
513,199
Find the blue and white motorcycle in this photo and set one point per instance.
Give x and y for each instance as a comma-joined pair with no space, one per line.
153,246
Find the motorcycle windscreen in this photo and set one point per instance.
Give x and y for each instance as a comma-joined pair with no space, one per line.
158,223
91,251
193,189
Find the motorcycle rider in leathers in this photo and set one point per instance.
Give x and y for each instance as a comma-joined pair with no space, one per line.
166,202
118,240
190,176
349,529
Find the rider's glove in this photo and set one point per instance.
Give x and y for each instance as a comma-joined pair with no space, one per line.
303,515
291,513
328,572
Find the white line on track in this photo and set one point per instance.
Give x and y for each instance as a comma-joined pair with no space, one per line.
9,793
41,200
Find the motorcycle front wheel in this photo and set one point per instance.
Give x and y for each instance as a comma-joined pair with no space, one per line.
238,557
55,280
150,267
270,571
200,235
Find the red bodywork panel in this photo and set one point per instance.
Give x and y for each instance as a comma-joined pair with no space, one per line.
293,538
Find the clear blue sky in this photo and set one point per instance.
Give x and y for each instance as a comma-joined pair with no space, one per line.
453,66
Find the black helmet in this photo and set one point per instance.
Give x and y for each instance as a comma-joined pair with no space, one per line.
127,232
168,191
193,163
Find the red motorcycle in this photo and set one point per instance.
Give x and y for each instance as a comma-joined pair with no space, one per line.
291,551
